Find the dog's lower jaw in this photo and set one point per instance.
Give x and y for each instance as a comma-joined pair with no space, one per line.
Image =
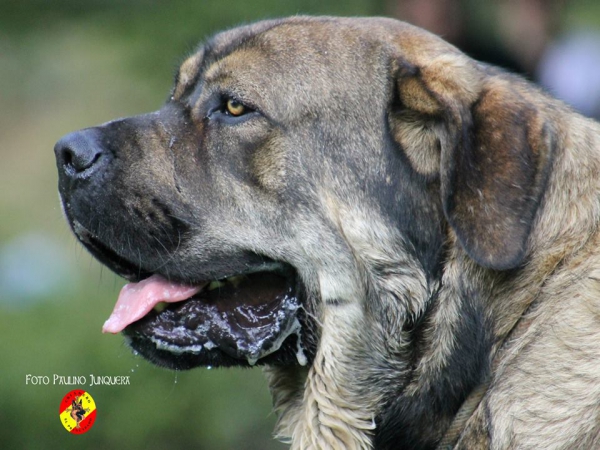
327,416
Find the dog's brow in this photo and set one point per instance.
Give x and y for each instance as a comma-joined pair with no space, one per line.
188,74
214,73
216,49
203,63
225,43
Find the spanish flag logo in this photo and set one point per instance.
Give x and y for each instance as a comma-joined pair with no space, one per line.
77,411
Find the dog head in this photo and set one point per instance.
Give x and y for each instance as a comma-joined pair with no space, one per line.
300,166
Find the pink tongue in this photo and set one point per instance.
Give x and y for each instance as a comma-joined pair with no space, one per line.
137,299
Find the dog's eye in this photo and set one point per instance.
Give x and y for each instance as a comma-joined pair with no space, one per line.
230,110
235,108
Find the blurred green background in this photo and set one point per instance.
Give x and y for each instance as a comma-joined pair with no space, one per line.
64,65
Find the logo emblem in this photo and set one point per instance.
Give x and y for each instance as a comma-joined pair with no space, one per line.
77,411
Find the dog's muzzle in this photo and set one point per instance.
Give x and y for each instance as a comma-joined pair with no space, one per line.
249,312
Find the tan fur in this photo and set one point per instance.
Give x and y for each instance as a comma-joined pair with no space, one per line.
187,71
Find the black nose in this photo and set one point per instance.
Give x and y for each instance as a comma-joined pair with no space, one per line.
79,154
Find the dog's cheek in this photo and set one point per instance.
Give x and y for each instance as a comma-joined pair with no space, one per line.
268,164
229,151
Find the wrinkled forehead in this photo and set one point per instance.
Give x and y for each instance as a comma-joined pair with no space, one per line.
216,49
288,57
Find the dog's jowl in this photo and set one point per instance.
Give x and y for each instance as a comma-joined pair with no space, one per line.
391,229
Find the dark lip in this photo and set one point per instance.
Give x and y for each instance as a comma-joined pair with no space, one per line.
142,345
135,272
108,257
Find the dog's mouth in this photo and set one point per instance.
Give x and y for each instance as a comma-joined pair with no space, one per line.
252,317
245,317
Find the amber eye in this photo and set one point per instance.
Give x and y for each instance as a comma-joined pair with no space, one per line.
235,108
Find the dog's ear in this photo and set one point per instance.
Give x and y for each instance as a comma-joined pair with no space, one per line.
494,171
492,149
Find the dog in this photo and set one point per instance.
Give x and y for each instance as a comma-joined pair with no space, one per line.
77,411
405,239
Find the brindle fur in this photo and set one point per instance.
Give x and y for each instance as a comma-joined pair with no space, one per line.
428,202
